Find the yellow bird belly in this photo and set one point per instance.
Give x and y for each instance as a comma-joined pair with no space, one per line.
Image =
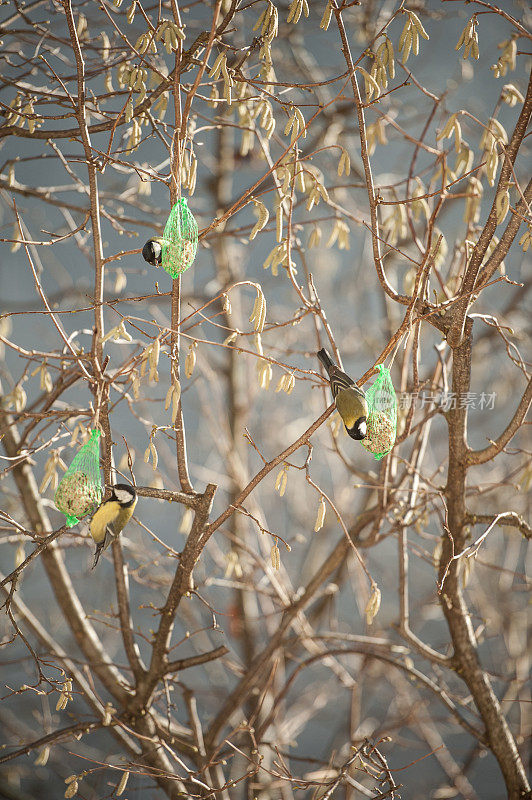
351,406
107,515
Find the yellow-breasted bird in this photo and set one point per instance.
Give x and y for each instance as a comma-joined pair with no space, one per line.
152,252
112,516
350,400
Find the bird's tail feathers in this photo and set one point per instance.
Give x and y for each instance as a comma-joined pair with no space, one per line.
325,359
99,550
101,546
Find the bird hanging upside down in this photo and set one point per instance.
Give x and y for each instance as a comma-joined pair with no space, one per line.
112,516
152,252
350,400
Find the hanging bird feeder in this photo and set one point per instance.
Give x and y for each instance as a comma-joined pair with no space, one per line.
80,490
382,415
180,239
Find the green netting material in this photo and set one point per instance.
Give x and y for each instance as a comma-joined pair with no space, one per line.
80,490
181,239
382,415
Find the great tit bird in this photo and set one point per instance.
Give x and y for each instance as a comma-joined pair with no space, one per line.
350,400
112,516
152,252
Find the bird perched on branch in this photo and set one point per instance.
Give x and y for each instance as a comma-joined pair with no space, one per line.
112,516
350,400
152,252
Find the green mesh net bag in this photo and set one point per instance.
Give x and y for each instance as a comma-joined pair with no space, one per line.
80,490
382,415
181,239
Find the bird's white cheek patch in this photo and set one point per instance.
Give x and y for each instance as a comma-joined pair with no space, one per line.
362,429
122,496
